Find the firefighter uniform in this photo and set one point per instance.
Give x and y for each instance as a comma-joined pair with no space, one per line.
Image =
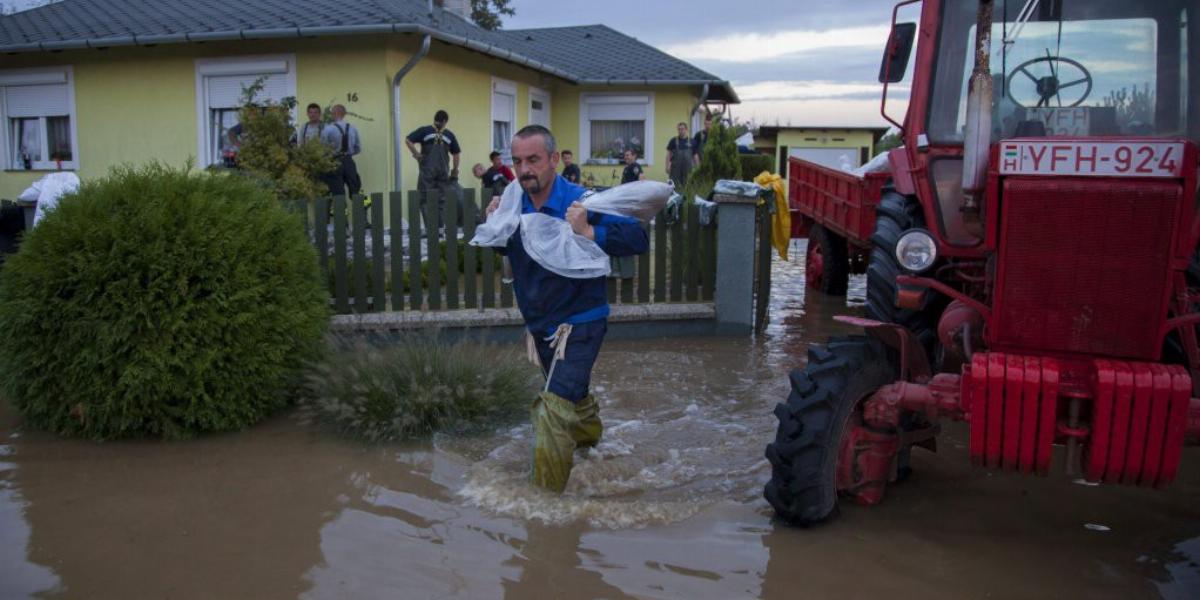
434,171
343,138
681,160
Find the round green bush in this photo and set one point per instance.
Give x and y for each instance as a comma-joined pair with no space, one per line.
159,302
418,384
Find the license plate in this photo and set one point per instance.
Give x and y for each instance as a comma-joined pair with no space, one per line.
1095,159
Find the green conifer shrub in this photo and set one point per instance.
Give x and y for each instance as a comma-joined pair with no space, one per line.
720,161
159,302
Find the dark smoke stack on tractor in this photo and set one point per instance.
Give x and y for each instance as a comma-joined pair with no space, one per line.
1030,255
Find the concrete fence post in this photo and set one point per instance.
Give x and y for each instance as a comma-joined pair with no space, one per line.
735,263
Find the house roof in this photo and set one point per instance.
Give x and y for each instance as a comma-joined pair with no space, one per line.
593,54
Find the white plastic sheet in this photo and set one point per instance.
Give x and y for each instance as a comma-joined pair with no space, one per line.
47,190
551,241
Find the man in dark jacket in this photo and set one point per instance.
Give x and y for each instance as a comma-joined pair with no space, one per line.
566,318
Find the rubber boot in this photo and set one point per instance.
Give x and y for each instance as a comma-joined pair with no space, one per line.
554,425
589,428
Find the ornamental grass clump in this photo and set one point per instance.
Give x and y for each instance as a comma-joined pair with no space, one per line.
159,302
418,385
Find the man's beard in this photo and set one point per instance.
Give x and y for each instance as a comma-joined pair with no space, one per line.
535,187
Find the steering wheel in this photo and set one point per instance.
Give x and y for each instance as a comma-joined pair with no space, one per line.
1050,87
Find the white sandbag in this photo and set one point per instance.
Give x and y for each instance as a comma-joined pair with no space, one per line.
500,225
553,244
879,164
638,199
47,190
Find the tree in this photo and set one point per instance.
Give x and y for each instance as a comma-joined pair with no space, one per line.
15,6
487,13
268,154
719,161
890,140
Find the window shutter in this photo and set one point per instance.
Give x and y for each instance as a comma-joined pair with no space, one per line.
225,91
624,111
503,106
37,100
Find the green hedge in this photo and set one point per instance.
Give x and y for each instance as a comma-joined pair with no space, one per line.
753,164
159,302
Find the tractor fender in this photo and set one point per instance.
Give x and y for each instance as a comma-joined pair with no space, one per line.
914,364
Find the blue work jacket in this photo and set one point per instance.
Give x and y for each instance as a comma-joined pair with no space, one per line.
546,299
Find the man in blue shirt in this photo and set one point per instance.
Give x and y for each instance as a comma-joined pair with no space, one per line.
562,310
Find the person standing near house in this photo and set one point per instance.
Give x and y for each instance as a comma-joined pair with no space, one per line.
633,171
495,178
343,139
565,318
700,139
311,129
439,146
679,157
570,169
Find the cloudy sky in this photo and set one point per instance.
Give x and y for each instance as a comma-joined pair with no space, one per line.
803,62
807,62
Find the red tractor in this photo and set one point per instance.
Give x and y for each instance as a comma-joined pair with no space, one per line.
1030,255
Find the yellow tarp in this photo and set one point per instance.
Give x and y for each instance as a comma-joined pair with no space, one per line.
781,224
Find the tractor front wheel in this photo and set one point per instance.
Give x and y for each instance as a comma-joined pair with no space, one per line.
814,425
826,262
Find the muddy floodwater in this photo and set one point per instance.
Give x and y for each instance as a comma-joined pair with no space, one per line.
668,506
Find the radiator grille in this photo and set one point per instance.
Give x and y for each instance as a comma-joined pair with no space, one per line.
1084,265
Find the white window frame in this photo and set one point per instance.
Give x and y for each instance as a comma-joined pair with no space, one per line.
39,76
585,123
507,87
536,93
272,64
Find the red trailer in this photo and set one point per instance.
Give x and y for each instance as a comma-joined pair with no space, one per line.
836,211
1032,265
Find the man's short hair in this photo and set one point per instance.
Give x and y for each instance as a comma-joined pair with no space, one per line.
493,155
630,151
708,117
682,124
529,131
441,116
312,105
568,153
337,107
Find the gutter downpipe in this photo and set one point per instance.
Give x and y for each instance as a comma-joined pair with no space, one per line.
397,135
700,102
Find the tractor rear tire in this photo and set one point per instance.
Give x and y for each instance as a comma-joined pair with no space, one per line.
895,215
827,262
813,422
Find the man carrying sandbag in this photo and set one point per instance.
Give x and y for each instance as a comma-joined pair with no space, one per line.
566,317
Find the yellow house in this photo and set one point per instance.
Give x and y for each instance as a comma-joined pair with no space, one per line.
829,146
89,84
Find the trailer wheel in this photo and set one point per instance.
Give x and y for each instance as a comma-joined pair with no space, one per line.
895,215
813,423
826,262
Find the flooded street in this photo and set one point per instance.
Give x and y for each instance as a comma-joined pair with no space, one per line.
668,506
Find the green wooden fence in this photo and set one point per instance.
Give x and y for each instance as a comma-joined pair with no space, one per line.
451,274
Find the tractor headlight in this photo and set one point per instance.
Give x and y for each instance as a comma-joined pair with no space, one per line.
916,251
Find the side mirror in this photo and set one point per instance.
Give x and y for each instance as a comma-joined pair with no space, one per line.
895,57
